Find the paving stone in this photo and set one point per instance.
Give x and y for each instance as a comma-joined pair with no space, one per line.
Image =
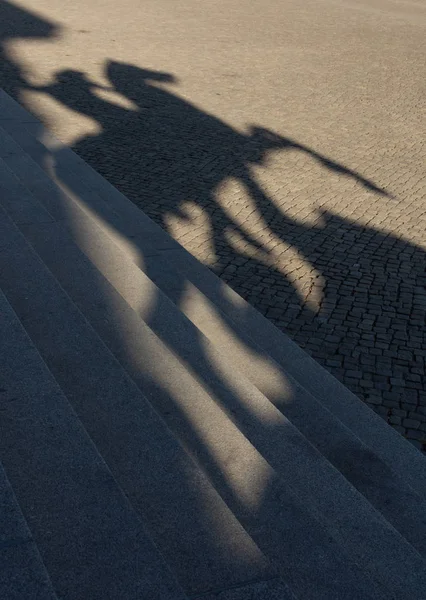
411,423
416,444
400,429
416,435
399,413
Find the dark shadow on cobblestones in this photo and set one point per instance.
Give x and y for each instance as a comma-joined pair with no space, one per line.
369,328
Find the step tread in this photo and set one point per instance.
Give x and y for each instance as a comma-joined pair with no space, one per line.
265,590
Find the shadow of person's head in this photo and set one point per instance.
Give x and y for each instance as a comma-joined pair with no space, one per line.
73,77
129,79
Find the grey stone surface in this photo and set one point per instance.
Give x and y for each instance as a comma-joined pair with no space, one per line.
275,589
180,508
17,201
22,575
13,526
91,540
340,401
36,179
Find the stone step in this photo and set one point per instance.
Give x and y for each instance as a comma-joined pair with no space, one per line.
23,575
89,537
109,314
387,479
179,507
278,523
127,300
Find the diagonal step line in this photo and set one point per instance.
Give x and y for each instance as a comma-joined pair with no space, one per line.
238,530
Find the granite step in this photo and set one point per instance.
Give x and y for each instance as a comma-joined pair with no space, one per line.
180,509
90,539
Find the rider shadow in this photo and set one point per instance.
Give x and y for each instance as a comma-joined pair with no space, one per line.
161,154
165,152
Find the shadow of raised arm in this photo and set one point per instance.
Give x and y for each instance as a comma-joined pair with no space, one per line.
272,140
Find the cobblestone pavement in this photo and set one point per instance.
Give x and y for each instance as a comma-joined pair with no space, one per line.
281,142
